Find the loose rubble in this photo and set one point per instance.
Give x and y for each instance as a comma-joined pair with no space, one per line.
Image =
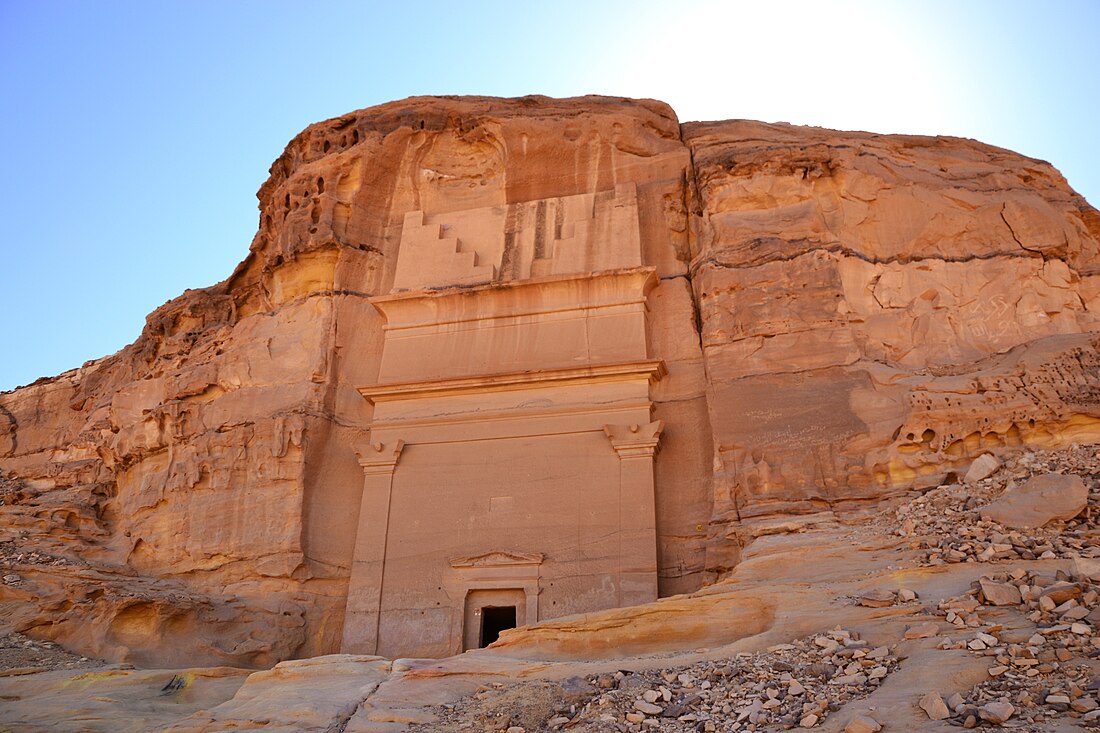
946,523
21,655
796,685
1037,672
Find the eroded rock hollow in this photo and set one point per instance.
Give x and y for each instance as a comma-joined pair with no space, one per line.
551,355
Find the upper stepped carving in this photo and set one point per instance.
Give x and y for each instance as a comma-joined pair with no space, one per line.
841,316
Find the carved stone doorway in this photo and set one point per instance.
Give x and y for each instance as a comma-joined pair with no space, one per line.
487,613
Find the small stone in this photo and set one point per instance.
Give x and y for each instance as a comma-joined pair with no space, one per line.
809,721
651,695
1057,700
997,671
795,689
905,595
515,729
1081,629
1075,614
955,701
933,705
877,599
1084,704
559,721
634,717
996,712
922,631
863,724
647,707
849,679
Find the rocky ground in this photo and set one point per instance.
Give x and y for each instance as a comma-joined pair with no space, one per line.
21,655
927,615
947,523
788,685
1035,675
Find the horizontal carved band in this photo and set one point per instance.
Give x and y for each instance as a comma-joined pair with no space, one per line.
654,369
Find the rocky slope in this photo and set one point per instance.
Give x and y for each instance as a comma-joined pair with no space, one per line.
884,635
843,316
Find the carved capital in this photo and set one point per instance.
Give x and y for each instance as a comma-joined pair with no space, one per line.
631,441
379,457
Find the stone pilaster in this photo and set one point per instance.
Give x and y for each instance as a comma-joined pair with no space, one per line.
637,446
379,461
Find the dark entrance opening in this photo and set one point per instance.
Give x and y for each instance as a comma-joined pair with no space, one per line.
495,619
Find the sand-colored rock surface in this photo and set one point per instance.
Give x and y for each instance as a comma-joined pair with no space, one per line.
878,310
819,648
839,317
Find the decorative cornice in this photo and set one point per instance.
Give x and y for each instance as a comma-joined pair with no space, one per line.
654,369
647,273
498,558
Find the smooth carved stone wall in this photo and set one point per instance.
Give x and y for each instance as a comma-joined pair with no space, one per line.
522,428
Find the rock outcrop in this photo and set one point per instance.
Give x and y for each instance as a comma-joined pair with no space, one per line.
842,316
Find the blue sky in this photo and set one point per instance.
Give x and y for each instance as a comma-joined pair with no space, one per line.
137,133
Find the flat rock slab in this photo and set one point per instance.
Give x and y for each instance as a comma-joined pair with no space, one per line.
113,699
877,599
999,594
1039,501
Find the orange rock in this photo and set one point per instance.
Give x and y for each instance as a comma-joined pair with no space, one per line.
837,316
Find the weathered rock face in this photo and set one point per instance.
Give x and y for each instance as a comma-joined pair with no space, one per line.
841,315
876,310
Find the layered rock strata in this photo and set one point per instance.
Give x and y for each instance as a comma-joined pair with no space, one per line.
840,315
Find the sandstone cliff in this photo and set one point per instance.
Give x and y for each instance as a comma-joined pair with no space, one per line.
842,316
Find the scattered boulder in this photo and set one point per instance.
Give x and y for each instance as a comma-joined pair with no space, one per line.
877,599
1087,567
1039,501
863,724
999,594
983,466
576,689
934,706
997,713
1060,592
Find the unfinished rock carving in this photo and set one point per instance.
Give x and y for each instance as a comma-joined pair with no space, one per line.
492,362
